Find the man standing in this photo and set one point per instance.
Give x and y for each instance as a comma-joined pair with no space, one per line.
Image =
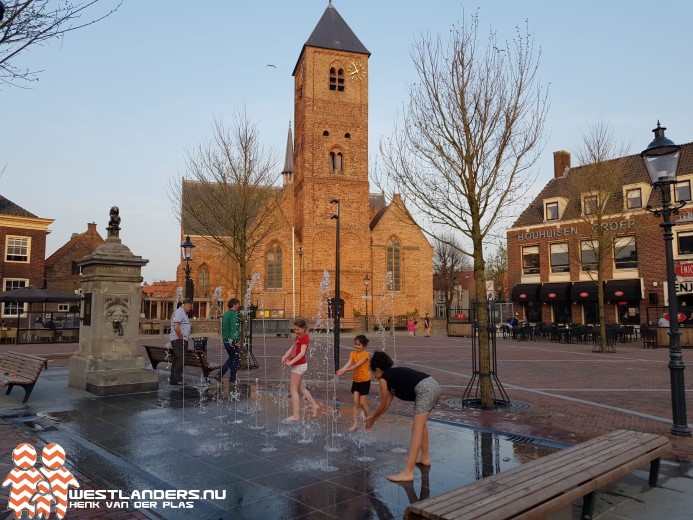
180,332
231,335
427,326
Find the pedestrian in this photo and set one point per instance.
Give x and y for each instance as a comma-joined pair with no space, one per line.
231,336
411,327
180,332
361,380
295,359
427,326
409,385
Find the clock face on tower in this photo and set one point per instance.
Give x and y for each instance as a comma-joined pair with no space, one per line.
356,70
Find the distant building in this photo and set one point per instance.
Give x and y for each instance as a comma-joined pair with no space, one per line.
23,250
62,271
549,254
158,300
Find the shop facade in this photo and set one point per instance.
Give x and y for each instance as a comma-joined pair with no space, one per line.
552,255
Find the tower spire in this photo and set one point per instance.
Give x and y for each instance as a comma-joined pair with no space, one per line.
288,171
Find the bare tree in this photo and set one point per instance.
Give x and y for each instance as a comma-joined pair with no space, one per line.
33,22
471,132
596,186
226,195
497,270
448,261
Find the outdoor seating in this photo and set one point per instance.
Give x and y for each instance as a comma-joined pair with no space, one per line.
649,337
628,333
19,369
193,358
551,483
8,336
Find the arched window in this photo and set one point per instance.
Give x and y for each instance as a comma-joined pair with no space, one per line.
337,79
274,267
393,263
336,162
203,281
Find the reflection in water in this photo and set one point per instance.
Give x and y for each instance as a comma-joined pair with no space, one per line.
486,454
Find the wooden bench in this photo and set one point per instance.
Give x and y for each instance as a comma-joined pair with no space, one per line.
18,369
193,358
548,484
53,356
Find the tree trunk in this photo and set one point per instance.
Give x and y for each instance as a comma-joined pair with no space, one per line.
485,385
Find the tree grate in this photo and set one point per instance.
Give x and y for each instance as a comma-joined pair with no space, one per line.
476,403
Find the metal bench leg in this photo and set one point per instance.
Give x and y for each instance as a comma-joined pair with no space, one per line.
9,389
654,472
587,506
27,391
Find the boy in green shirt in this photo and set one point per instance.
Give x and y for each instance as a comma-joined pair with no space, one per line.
231,336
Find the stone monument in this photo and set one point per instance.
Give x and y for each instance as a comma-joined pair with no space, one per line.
108,361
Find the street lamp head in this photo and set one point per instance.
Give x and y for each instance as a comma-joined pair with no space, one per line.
366,280
187,248
661,158
334,201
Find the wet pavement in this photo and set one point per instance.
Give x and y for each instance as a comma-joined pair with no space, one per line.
188,438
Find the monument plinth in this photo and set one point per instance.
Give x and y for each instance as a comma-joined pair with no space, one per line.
108,361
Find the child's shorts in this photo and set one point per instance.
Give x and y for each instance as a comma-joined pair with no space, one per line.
299,369
362,387
427,394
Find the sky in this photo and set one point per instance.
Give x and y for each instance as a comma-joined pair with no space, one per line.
119,103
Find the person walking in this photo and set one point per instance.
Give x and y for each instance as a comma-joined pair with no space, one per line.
180,332
295,359
231,336
427,326
360,387
409,385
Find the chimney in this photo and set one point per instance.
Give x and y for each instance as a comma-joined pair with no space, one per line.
91,227
561,163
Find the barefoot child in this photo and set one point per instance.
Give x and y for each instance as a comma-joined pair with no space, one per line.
361,386
295,359
409,385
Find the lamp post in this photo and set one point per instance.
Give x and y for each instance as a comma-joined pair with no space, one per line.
366,283
336,301
187,248
661,160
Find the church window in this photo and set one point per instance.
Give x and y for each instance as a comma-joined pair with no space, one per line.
203,281
336,163
393,263
337,79
325,133
347,135
274,267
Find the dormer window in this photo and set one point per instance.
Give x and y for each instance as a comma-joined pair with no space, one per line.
590,204
551,210
634,198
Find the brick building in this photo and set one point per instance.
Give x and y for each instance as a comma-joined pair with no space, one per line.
549,253
328,158
23,250
62,271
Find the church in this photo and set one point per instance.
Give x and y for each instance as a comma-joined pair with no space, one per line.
386,262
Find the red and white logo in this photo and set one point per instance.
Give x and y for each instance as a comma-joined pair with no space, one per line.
36,491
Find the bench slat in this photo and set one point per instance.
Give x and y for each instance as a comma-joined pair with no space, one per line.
483,487
546,484
544,487
19,369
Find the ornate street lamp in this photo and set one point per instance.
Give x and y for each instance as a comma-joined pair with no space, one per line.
187,248
336,302
366,283
661,160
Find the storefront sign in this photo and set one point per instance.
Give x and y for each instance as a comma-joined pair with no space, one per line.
681,317
523,296
619,225
552,295
584,295
683,287
685,270
618,293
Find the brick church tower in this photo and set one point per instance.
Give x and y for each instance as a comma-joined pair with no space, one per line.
331,157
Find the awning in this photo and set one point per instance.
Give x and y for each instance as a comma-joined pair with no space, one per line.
525,292
555,292
622,290
584,292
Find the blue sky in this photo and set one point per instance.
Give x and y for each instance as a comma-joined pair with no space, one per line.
118,103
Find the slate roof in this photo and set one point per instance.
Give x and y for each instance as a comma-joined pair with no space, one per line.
7,207
332,32
634,171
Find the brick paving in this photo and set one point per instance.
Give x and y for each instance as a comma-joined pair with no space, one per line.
559,392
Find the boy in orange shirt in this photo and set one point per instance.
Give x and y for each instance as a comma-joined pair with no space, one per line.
361,386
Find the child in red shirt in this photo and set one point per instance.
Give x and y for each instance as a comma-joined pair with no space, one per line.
295,359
